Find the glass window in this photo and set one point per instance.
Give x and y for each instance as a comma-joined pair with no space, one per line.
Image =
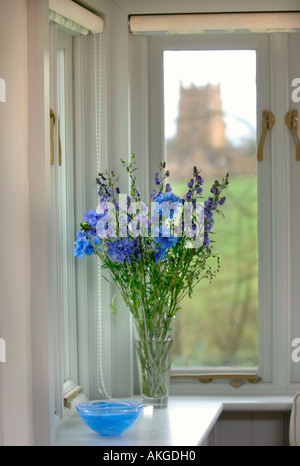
210,122
63,293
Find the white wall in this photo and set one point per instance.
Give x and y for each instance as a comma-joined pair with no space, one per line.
15,381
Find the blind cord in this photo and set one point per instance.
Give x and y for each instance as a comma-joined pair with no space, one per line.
98,108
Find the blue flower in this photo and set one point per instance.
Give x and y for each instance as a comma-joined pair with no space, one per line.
82,246
215,188
167,197
167,202
159,253
88,248
157,179
154,194
80,235
92,217
79,249
208,226
188,195
206,240
208,204
200,180
122,250
165,240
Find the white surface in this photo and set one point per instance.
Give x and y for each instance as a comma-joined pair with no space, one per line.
256,403
186,422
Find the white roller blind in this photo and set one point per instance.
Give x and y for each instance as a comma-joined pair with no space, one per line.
75,17
215,22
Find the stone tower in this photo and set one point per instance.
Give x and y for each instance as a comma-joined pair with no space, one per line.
200,124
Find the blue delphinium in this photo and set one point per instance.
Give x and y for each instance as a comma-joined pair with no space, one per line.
168,197
154,194
159,253
92,217
165,201
157,179
166,242
163,242
153,273
82,245
122,250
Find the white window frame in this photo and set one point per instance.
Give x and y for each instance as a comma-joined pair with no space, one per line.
274,272
68,281
62,203
84,314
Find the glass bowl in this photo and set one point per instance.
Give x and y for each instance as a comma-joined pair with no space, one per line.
109,417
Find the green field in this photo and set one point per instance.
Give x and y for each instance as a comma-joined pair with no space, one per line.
218,325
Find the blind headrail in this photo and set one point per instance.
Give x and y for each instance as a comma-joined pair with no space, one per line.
216,22
77,15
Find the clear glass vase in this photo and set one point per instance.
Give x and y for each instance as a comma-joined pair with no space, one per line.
153,340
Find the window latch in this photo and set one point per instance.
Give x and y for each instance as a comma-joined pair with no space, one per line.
268,121
59,144
52,123
68,396
291,121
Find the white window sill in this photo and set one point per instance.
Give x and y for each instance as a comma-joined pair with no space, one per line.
187,421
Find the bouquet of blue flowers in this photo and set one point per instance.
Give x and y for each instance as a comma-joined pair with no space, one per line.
154,255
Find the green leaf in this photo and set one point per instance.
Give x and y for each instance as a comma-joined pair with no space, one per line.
112,306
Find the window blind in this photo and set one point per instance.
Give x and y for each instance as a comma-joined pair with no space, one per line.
215,22
74,17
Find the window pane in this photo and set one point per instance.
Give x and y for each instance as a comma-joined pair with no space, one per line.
210,122
63,216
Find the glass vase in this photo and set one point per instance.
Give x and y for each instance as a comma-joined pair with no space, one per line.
153,340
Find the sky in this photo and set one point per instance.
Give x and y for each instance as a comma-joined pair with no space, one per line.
234,70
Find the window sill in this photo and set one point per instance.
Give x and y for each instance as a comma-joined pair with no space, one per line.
187,421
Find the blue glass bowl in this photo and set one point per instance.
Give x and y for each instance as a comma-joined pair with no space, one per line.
109,417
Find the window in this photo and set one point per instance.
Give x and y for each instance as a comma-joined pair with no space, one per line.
66,203
62,218
210,122
75,83
64,292
265,291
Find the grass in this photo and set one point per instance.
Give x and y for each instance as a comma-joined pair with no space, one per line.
218,325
